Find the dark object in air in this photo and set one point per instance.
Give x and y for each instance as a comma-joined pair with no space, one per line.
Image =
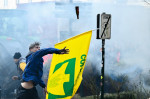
77,11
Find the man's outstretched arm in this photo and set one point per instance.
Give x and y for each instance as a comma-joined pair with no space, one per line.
46,51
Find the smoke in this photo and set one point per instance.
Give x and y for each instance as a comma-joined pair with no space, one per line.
18,29
52,22
127,52
129,37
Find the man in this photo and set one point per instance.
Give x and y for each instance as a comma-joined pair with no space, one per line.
34,70
20,62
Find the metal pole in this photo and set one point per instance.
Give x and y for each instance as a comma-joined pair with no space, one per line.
103,62
102,70
98,26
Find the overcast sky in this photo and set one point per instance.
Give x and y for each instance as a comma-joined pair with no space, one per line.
11,4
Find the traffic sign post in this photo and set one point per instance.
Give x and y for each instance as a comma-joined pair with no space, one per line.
105,34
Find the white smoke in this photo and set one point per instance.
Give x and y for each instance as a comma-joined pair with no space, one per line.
51,22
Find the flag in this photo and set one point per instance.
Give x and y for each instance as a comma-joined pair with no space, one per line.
66,70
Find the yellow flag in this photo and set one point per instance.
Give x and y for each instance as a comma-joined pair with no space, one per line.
66,70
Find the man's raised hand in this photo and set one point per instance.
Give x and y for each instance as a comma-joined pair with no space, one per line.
64,51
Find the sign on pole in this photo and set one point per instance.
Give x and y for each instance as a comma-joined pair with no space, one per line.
105,34
105,26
